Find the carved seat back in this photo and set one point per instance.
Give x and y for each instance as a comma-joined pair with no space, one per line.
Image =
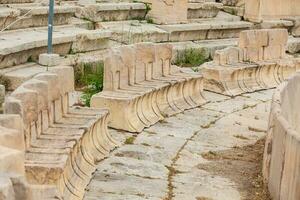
41,101
266,44
132,64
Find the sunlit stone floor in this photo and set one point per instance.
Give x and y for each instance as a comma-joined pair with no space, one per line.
170,160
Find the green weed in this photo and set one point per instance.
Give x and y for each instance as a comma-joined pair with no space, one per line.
190,58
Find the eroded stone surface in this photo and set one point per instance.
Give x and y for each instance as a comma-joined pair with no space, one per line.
168,156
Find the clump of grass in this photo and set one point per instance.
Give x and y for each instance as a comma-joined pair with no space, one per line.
4,81
90,79
129,140
148,8
191,58
150,20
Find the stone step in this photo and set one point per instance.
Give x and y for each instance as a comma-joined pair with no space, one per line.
16,1
18,47
221,16
214,29
21,73
205,48
128,32
120,11
19,16
112,11
203,10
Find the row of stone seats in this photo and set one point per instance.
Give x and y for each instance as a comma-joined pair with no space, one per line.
12,149
282,150
259,62
63,143
141,87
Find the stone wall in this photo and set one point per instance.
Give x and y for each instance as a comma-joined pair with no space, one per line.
257,10
282,151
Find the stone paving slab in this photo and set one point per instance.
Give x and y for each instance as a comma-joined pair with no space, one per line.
166,160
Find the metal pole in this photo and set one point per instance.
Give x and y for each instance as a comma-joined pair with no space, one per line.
50,26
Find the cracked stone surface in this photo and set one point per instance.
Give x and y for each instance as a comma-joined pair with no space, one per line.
166,160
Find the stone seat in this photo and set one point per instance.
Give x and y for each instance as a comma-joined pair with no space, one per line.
260,62
63,143
141,87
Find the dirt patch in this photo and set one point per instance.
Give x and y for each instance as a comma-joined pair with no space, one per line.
243,165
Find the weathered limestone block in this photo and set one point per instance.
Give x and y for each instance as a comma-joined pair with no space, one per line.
232,55
253,43
296,26
168,11
259,62
37,17
63,143
12,157
282,150
141,87
258,10
112,11
203,10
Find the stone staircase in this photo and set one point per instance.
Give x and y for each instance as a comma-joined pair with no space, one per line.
24,37
81,29
26,14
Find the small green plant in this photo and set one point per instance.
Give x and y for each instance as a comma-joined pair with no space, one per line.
4,81
190,58
195,69
30,59
148,8
91,78
129,140
149,20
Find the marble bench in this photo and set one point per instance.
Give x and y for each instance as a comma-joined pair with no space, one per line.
141,86
259,62
63,143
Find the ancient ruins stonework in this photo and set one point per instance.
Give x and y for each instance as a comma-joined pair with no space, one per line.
258,10
62,143
179,90
282,150
12,147
168,11
141,87
259,62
